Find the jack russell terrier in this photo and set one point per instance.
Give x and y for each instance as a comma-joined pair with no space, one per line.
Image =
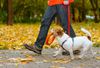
82,43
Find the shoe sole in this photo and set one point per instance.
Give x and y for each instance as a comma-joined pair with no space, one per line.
31,49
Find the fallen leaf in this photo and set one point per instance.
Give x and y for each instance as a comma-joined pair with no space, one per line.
98,57
22,60
14,60
27,60
1,57
56,67
63,61
45,61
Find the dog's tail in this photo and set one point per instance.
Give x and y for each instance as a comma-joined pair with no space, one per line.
87,32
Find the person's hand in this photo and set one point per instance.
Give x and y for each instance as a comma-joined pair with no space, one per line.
66,2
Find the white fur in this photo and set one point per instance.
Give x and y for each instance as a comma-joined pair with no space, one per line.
81,43
85,31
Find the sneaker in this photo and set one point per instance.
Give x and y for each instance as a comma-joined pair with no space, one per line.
33,48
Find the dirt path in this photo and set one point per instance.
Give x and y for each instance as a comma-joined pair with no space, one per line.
27,59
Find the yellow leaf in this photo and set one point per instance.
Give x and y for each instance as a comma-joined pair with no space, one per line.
98,57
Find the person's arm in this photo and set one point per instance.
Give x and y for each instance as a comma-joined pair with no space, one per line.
66,2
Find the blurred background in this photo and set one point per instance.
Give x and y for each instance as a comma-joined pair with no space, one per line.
33,10
20,21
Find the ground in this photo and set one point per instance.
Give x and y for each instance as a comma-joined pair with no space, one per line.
28,59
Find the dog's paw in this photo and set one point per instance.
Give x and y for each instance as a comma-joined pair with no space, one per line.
55,54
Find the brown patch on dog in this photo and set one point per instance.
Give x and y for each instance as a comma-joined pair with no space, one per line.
59,32
89,37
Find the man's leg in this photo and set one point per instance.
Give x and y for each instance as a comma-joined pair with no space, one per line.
63,14
46,22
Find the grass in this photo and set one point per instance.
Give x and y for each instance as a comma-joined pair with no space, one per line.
13,37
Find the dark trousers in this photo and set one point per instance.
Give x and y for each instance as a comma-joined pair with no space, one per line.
49,16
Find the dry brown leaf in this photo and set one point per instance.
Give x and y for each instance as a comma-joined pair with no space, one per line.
22,60
45,61
1,57
14,60
56,67
98,57
63,61
27,60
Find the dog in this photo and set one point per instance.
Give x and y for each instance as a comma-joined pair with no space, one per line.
82,43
